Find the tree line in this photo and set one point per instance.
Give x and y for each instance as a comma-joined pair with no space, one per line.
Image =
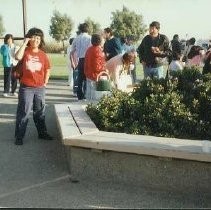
123,23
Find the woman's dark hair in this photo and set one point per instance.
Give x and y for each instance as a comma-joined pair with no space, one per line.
7,36
176,36
36,32
155,24
71,41
192,40
83,28
96,39
176,56
108,30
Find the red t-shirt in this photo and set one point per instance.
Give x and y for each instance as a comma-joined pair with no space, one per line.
35,65
94,62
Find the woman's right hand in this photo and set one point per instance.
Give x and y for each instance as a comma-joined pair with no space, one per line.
26,41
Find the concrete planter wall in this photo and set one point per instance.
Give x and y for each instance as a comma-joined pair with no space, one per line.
146,161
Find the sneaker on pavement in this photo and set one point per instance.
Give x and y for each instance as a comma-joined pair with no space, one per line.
14,94
5,94
45,136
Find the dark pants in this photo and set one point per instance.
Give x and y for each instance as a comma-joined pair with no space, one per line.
75,80
8,78
30,97
81,80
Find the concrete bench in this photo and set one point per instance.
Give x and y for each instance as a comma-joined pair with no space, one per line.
135,159
73,121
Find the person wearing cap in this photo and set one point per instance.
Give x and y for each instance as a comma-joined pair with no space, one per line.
35,75
152,52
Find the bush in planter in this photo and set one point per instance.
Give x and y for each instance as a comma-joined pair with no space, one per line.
109,114
159,108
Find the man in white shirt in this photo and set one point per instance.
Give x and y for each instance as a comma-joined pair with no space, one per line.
81,43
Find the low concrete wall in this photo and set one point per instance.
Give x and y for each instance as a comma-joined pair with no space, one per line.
144,171
131,159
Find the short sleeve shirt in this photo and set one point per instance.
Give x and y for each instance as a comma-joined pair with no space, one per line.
35,66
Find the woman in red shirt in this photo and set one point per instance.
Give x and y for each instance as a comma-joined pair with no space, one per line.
35,75
94,64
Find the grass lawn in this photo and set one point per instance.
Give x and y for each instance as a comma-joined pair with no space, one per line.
59,67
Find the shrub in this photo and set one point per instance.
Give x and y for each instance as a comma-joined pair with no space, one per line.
179,107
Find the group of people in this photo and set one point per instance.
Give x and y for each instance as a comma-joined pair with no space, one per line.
192,55
88,56
99,53
91,55
155,51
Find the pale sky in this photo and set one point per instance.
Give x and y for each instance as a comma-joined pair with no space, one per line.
188,18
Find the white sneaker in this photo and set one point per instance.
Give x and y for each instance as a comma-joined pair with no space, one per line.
14,94
5,95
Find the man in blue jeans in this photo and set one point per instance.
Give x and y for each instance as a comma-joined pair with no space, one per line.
152,52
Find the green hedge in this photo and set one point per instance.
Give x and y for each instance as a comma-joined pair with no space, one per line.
178,107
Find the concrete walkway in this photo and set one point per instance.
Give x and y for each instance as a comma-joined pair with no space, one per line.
35,175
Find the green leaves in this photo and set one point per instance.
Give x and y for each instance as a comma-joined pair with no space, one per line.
125,23
94,27
61,26
180,108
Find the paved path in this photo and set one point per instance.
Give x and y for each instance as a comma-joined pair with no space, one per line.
35,175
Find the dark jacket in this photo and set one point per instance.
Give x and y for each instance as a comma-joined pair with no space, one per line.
145,52
112,47
207,65
176,46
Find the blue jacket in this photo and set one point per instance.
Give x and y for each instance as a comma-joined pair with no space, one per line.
5,51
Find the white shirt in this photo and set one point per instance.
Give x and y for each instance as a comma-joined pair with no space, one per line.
81,43
176,65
